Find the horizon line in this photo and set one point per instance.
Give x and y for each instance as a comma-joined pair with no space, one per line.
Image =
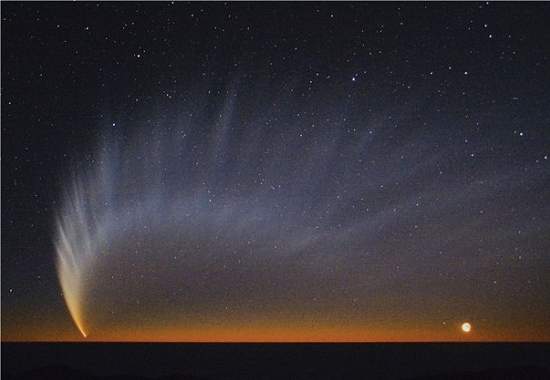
281,342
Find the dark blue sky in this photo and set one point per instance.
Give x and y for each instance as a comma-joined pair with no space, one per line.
379,167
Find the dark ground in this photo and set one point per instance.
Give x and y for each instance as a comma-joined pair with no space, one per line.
275,361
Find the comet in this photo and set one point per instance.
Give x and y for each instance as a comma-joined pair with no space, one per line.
160,219
75,249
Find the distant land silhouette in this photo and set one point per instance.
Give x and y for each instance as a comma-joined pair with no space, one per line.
65,373
155,361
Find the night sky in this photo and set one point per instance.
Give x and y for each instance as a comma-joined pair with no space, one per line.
275,171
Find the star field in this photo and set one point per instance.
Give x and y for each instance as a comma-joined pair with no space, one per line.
231,171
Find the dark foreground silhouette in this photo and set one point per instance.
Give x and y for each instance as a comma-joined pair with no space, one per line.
64,373
94,361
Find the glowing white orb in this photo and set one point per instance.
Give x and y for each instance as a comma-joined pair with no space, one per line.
466,327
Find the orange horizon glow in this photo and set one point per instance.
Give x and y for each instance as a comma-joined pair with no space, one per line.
59,327
278,335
